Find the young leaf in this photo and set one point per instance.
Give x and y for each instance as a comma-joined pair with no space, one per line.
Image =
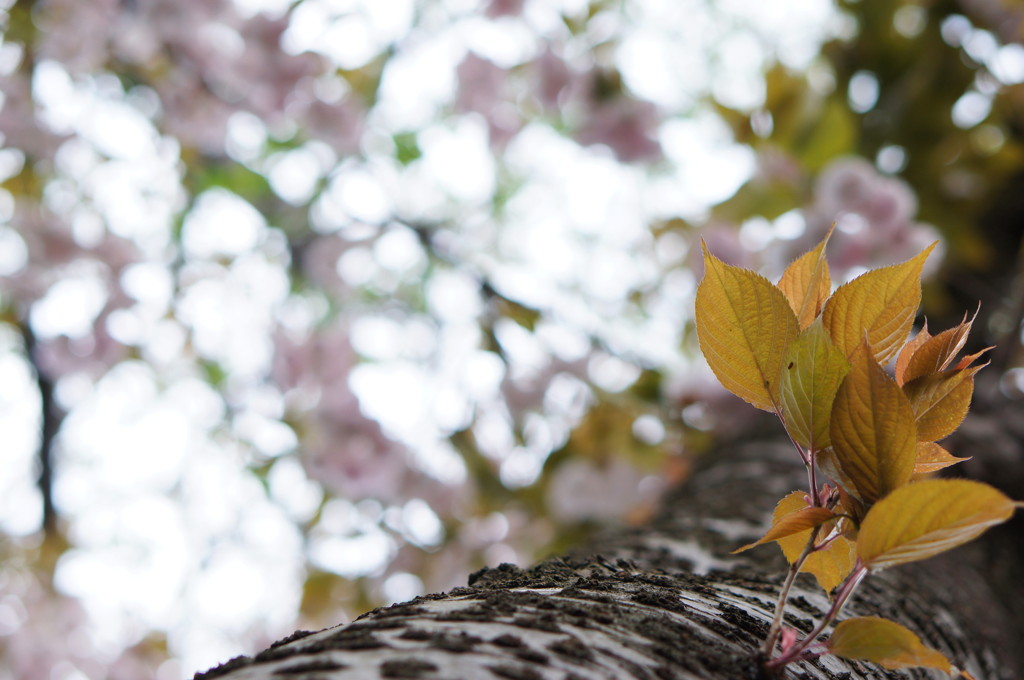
852,508
829,464
966,361
887,643
926,518
744,325
882,302
813,370
798,521
806,283
829,566
937,353
872,427
931,457
940,401
903,358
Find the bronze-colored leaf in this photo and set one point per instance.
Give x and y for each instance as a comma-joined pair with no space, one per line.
872,428
926,518
940,401
829,566
798,521
806,283
882,303
744,326
931,458
887,643
903,358
937,353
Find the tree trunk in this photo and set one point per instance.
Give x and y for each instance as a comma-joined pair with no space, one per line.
669,601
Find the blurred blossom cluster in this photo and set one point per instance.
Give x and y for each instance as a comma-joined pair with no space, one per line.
313,306
201,63
591,102
874,213
341,448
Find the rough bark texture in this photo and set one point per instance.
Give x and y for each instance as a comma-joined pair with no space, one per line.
667,601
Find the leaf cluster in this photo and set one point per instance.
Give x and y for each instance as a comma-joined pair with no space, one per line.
818,360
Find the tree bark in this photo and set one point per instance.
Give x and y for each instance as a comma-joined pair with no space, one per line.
668,600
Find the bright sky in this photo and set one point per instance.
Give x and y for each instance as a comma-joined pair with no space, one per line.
169,532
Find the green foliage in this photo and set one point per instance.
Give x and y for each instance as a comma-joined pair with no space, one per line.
407,147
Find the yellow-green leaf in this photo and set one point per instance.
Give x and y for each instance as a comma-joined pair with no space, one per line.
795,522
937,353
931,457
874,439
791,546
907,353
926,518
744,325
829,566
806,283
940,401
882,302
887,643
813,369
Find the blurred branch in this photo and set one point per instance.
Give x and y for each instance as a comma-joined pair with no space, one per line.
51,417
1006,321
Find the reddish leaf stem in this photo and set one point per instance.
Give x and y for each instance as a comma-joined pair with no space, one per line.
807,456
838,602
780,605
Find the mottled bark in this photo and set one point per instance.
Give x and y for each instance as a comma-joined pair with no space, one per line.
665,601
